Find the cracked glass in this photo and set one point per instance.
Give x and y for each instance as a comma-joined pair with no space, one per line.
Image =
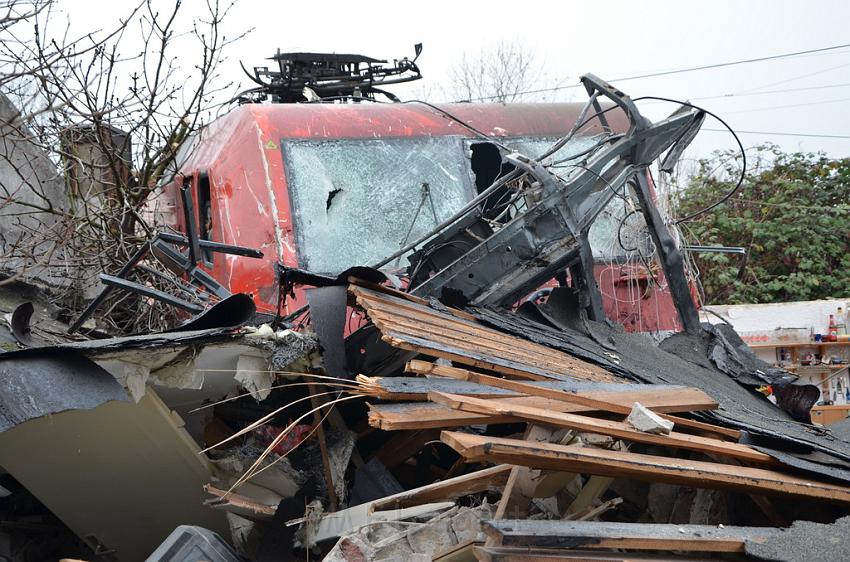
356,201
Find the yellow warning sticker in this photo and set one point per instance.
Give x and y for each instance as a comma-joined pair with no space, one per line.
271,145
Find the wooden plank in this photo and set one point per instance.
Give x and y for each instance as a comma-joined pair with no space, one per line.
638,536
590,492
471,357
424,415
525,554
414,316
417,327
454,332
492,478
620,430
652,468
554,394
417,388
359,285
663,398
681,398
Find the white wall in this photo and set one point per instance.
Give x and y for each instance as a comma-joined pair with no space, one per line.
805,315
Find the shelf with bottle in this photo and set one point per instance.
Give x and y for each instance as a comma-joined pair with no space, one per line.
798,345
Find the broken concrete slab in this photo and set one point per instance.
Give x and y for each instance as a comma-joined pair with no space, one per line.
254,374
644,419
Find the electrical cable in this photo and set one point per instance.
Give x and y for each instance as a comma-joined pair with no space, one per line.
677,71
788,106
620,228
743,175
782,134
596,146
599,177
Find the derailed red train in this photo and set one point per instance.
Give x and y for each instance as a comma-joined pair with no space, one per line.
327,186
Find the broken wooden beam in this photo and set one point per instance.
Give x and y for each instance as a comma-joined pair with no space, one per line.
666,398
636,536
488,479
587,460
420,415
620,430
416,327
423,367
238,504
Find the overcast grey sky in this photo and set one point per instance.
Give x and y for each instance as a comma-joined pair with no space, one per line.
612,39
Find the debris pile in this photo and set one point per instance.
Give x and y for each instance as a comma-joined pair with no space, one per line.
455,419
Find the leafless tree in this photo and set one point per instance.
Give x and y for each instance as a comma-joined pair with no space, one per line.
499,74
100,117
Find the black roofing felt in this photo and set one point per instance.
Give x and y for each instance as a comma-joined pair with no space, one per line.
32,387
125,343
684,359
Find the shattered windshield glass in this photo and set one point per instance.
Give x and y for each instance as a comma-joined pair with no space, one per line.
356,201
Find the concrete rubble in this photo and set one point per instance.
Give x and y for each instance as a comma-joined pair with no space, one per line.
644,419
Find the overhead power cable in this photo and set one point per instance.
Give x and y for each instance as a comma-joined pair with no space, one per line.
779,134
775,107
679,70
768,92
728,129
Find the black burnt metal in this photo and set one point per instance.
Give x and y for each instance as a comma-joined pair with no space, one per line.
329,76
551,235
165,246
669,256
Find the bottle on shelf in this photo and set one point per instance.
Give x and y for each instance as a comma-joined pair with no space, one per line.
833,329
841,322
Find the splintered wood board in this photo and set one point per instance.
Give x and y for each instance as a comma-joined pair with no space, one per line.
424,415
492,478
590,400
620,430
416,327
587,460
637,536
418,387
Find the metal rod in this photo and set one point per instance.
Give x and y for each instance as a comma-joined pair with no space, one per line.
179,240
98,300
716,249
120,283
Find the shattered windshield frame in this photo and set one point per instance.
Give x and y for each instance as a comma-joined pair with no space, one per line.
615,229
356,201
